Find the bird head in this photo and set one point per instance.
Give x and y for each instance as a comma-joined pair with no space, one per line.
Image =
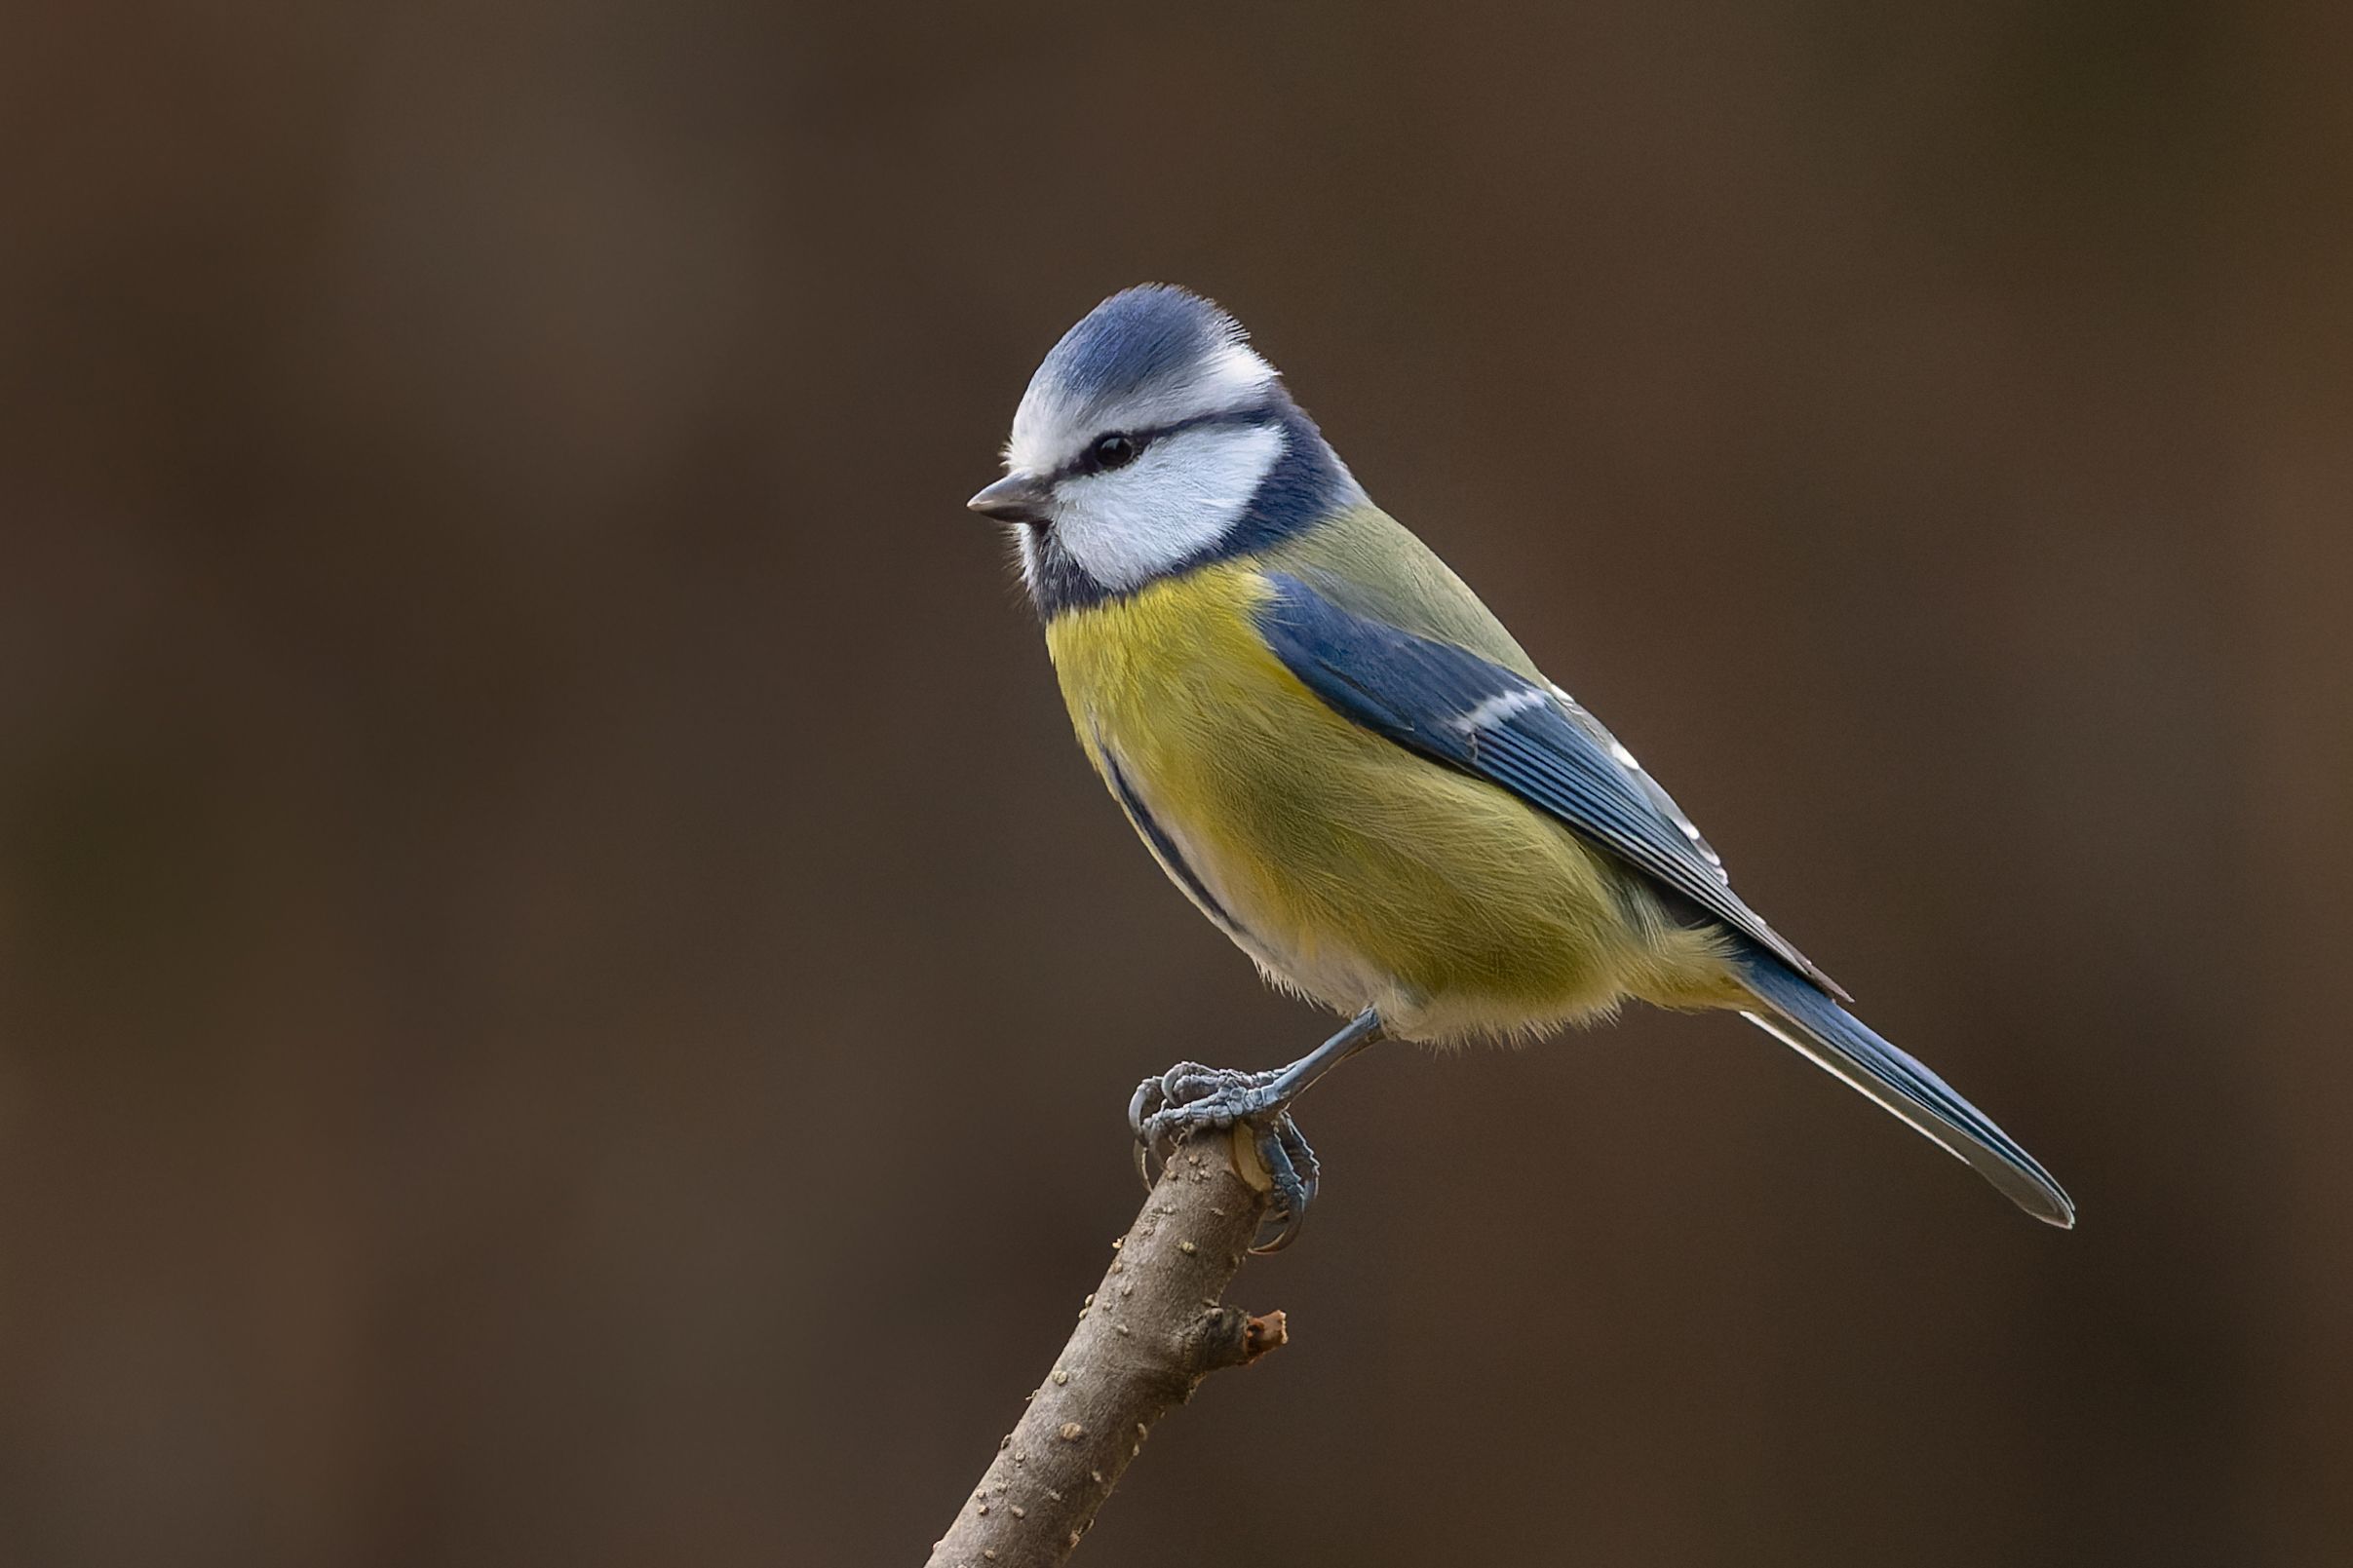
1154,437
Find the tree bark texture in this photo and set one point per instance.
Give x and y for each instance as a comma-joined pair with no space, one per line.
1151,1331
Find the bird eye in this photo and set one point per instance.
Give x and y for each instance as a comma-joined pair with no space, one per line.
1113,451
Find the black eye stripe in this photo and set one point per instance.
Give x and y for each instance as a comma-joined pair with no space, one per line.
1139,439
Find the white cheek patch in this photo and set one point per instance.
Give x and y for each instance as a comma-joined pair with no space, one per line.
1180,497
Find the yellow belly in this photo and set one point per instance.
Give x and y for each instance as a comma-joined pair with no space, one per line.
1352,870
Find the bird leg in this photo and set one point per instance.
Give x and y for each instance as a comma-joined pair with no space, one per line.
1169,1108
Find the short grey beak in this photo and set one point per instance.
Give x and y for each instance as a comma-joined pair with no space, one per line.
1015,498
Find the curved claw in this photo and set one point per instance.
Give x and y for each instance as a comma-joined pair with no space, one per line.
1141,1104
1292,1166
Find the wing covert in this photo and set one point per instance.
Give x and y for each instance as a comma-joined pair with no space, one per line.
1468,714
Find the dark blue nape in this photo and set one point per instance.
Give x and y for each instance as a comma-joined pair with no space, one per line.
1306,485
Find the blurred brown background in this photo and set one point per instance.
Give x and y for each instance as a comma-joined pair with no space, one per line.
567,997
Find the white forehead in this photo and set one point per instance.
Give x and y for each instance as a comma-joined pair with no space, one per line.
1143,359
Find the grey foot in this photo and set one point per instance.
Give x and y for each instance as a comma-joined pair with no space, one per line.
1190,1098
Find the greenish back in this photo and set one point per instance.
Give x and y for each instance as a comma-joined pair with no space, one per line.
1367,562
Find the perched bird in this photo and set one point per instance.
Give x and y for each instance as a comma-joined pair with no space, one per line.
1349,766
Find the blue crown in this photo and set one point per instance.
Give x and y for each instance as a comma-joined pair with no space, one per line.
1137,337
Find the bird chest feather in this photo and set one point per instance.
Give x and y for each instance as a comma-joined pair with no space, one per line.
1347,866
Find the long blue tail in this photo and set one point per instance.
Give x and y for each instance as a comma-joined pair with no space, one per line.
1799,1015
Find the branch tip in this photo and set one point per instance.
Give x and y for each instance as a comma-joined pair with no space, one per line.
1146,1338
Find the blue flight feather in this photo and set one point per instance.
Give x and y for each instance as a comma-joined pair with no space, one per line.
1843,1044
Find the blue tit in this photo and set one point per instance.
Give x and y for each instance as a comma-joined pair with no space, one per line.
1347,763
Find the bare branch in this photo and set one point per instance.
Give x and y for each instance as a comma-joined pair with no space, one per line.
1147,1336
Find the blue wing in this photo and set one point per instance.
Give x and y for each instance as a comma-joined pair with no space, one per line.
1458,709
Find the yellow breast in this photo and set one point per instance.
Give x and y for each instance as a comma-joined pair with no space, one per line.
1348,866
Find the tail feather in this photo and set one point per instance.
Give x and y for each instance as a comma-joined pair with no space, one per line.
1799,1015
